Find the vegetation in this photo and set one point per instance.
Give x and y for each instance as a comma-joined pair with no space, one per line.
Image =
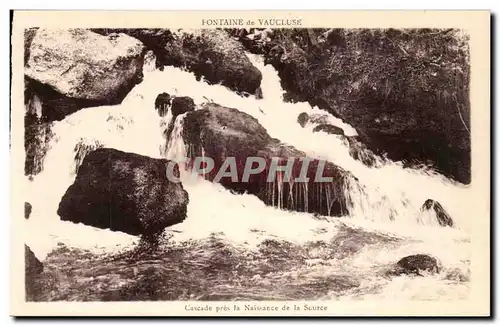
405,90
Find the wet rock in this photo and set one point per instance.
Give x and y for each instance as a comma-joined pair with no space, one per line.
360,152
124,192
258,94
211,54
425,119
443,218
162,103
33,266
458,275
69,69
27,210
182,104
37,137
220,133
329,129
215,56
82,64
418,265
302,119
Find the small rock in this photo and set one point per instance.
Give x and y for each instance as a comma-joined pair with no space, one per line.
182,104
27,210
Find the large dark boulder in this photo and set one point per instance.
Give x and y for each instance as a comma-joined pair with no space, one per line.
37,137
361,152
219,133
443,218
68,69
419,264
406,92
124,192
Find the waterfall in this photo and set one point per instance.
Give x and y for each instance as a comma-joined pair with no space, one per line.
383,199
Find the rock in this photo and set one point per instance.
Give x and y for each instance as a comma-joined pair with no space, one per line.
33,266
37,137
27,210
417,264
162,103
155,39
219,133
82,148
443,218
149,62
182,104
70,69
214,55
302,119
329,129
424,119
124,192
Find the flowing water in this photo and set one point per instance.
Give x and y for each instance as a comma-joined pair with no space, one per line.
232,246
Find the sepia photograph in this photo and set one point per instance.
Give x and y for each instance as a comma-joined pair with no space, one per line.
250,163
